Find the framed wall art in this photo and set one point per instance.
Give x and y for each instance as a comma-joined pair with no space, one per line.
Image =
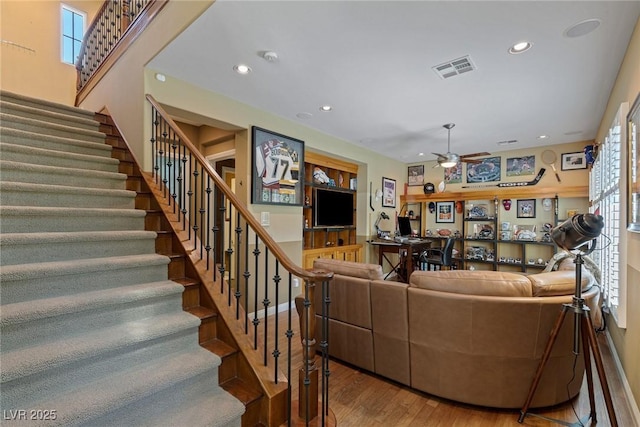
388,193
445,212
633,167
416,175
517,166
277,168
487,171
572,161
526,208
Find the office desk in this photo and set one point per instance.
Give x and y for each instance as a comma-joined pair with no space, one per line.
404,266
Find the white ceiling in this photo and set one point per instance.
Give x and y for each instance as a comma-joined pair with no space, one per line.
372,62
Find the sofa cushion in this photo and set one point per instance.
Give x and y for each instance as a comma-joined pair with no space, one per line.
561,282
488,283
350,268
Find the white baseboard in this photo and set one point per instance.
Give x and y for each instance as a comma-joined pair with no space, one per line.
633,406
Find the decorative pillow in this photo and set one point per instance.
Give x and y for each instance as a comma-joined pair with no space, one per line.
350,268
561,282
488,283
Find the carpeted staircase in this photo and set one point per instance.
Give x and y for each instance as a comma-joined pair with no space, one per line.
92,332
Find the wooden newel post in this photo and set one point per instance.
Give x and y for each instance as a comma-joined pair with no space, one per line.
308,374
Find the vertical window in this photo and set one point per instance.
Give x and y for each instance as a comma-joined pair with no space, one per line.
604,188
72,33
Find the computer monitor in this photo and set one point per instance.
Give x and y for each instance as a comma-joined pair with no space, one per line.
404,226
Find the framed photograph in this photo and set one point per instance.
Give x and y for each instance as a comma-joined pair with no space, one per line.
277,168
526,208
633,168
517,166
388,193
416,175
453,175
487,171
445,212
572,161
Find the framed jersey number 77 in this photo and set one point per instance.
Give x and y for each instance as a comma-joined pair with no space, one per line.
277,168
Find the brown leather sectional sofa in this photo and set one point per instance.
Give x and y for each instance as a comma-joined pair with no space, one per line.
471,336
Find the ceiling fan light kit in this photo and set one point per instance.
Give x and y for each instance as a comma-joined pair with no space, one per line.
450,159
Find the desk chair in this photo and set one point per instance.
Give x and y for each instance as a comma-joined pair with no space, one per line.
439,257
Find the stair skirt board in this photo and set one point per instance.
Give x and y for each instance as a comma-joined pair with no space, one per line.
91,327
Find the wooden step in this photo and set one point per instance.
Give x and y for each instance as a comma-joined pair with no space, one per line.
249,396
208,318
191,294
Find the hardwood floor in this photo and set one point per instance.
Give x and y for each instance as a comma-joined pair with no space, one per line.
359,398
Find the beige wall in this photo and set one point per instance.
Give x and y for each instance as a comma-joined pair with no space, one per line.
286,222
627,340
34,67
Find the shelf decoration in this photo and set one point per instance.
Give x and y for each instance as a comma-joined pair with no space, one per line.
633,167
526,208
445,212
277,168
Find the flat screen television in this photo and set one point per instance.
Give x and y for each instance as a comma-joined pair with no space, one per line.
333,208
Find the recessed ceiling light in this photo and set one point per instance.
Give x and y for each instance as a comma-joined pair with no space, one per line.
242,69
543,137
582,28
326,108
160,77
420,154
520,47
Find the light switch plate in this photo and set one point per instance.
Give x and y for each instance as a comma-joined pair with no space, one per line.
265,219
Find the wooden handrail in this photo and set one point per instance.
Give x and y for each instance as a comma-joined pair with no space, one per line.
312,276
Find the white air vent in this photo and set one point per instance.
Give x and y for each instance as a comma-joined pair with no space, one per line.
507,142
455,67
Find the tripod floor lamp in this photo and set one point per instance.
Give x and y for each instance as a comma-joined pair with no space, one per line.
578,235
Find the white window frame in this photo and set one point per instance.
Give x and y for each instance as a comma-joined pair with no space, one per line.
607,192
64,7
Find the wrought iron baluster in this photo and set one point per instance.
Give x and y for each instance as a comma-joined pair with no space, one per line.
185,177
256,321
189,204
324,345
208,246
247,275
194,218
223,256
229,253
289,335
265,301
276,350
238,294
154,139
176,167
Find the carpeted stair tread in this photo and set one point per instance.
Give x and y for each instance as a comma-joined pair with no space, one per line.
57,143
87,403
69,350
57,175
57,116
200,403
64,268
22,194
14,314
42,156
35,219
10,121
24,248
20,99
45,319
24,282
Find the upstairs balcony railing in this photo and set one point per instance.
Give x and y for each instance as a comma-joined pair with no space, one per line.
115,26
249,268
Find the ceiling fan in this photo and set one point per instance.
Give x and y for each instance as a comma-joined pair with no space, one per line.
450,159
